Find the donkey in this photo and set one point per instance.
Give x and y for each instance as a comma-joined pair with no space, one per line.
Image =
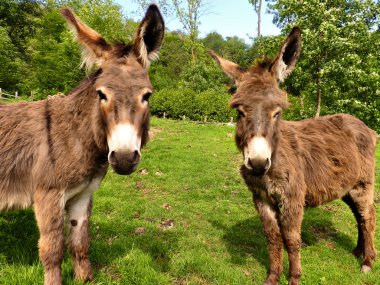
290,165
54,153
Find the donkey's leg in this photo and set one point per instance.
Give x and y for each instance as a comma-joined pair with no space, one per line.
291,221
362,196
273,235
359,249
49,211
78,218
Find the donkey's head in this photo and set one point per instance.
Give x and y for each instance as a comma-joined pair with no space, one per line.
259,102
121,85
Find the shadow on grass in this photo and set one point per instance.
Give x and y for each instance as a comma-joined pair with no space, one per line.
246,238
19,242
18,237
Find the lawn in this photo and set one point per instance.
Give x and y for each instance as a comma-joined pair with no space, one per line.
185,217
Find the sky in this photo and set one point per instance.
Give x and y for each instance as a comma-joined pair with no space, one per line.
227,17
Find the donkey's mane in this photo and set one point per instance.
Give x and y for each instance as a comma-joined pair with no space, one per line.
86,83
121,49
261,65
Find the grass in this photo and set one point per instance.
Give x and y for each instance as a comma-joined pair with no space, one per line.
199,221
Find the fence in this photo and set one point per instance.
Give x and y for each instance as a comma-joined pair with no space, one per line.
4,95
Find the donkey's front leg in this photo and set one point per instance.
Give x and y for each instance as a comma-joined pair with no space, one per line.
49,211
78,218
273,234
291,220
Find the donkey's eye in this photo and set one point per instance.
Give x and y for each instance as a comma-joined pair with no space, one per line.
277,115
145,97
101,95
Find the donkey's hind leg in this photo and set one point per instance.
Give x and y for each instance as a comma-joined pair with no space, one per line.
362,196
359,249
78,219
49,211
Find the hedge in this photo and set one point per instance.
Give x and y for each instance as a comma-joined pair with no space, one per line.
210,105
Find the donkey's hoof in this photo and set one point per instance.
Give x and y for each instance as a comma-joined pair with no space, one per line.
366,268
294,281
271,280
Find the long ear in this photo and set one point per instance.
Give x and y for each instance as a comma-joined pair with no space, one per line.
288,55
95,48
231,69
150,36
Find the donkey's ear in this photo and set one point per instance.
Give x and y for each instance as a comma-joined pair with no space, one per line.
95,48
231,69
150,36
288,55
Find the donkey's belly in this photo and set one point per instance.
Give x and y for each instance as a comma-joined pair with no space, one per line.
88,186
15,200
318,196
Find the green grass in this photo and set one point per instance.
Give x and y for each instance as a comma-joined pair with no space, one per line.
216,238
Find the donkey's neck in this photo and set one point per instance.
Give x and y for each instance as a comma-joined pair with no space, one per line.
79,118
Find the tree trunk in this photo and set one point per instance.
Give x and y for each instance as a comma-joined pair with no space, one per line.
259,18
318,96
302,111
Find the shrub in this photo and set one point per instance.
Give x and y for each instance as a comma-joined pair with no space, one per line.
209,105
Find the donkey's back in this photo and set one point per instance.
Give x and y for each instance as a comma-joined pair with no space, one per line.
334,152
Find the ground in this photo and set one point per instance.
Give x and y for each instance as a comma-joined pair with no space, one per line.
186,217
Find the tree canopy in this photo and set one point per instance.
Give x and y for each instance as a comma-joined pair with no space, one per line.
338,70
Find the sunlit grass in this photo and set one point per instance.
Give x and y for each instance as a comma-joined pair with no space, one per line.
199,223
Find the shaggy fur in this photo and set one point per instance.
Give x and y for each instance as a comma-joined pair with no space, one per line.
312,162
54,153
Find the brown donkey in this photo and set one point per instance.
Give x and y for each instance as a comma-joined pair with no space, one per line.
290,165
54,153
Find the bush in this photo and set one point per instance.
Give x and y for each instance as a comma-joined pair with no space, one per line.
209,105
201,76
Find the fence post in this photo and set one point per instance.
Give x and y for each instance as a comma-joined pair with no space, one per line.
1,93
16,94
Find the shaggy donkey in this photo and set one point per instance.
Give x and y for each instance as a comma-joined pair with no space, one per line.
290,165
54,153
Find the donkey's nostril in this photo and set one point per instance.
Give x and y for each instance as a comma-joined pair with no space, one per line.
136,156
112,157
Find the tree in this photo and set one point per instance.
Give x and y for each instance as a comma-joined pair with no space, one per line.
54,56
188,12
233,48
214,41
340,60
257,6
11,62
20,18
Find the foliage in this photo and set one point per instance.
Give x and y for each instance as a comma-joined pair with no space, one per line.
20,18
233,48
339,63
55,56
200,77
208,105
336,67
10,60
192,179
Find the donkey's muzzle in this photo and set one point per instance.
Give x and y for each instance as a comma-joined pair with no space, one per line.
259,166
124,163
